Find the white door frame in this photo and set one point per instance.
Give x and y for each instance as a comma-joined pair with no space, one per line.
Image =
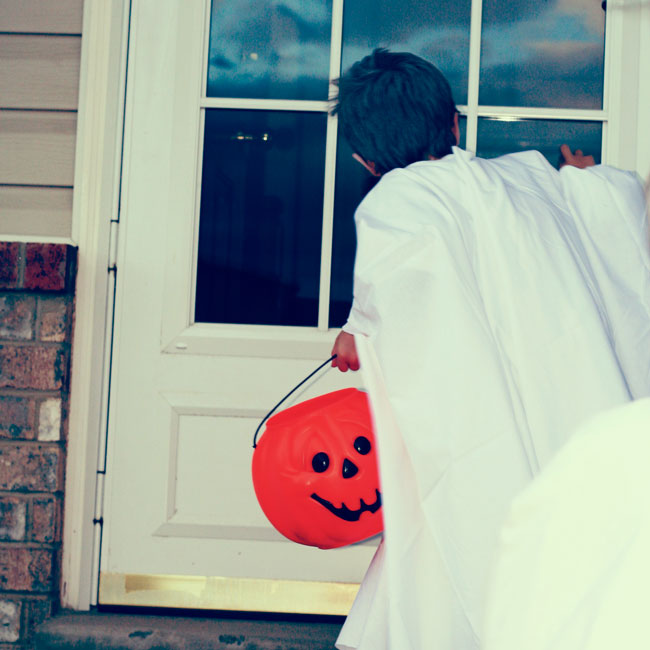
627,89
96,203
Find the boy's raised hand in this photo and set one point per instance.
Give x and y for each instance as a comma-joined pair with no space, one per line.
577,159
346,353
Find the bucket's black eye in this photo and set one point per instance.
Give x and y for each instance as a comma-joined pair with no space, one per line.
362,445
320,462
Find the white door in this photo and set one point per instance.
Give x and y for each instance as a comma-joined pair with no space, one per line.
234,259
182,526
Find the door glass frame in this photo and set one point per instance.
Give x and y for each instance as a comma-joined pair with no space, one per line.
472,111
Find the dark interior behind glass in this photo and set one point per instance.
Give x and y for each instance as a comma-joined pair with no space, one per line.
261,217
498,137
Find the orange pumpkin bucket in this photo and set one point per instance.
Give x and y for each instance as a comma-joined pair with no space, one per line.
315,471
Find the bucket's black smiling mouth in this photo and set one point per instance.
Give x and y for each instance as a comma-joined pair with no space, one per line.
344,512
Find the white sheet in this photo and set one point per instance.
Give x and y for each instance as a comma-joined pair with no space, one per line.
573,565
497,305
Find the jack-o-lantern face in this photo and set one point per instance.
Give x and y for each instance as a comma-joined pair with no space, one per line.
315,471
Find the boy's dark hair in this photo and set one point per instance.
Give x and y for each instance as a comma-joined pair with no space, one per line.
394,109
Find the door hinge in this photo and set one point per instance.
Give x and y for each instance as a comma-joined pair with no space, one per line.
112,249
98,517
98,526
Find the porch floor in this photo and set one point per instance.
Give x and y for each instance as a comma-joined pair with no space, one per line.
111,631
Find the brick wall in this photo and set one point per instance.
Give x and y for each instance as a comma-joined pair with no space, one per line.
36,309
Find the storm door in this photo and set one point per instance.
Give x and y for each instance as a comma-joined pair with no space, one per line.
235,252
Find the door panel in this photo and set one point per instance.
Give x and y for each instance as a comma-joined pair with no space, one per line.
182,526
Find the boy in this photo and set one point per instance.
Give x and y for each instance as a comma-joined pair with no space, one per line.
497,304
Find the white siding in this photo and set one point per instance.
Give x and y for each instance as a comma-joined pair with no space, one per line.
41,16
40,51
37,148
36,211
39,71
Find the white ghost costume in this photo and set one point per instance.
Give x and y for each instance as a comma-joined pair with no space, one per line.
573,569
497,305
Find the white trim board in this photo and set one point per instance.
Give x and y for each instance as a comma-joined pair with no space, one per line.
95,203
643,125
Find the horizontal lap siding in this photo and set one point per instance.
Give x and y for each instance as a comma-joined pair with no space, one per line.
40,51
36,211
37,148
41,16
39,71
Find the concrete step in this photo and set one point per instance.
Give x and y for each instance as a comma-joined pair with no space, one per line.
110,631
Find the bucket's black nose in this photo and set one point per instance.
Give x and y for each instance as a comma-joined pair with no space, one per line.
349,469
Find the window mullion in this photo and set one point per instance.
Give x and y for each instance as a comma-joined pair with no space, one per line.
473,74
543,113
198,180
604,146
206,48
330,172
304,105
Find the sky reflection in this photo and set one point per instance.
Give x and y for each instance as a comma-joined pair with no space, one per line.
270,49
533,53
546,54
436,31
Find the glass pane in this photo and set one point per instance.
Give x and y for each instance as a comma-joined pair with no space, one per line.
436,31
547,54
462,128
269,50
261,217
353,182
498,137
